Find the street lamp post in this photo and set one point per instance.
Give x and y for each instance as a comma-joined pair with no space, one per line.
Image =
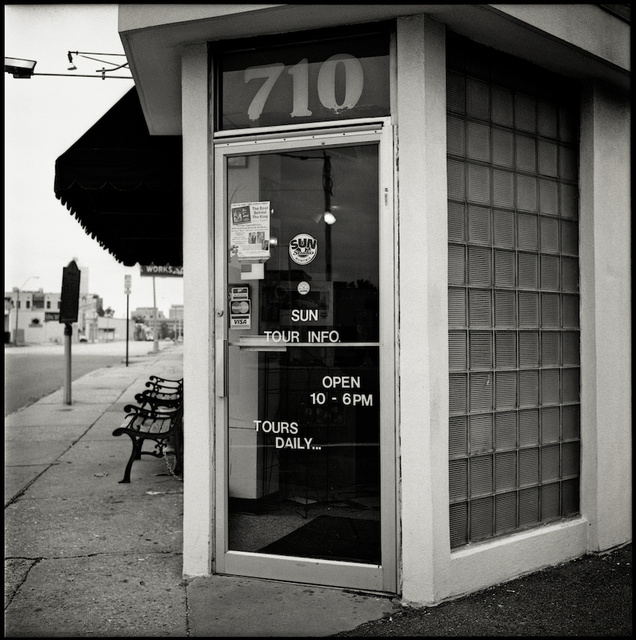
155,324
17,307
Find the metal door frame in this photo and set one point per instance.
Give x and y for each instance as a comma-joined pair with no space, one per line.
311,571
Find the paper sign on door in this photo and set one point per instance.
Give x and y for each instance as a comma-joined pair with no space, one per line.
249,233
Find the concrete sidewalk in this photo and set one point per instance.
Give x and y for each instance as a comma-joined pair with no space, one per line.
86,556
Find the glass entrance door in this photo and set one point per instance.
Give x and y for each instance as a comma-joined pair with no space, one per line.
306,457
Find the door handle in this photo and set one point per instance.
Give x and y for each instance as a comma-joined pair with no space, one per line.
259,343
221,367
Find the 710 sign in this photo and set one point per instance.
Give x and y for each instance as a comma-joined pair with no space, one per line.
326,85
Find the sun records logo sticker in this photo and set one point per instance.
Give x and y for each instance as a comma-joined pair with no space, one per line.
303,248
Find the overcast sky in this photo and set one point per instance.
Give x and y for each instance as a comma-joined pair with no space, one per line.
44,116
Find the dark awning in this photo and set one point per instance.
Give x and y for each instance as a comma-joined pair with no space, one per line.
124,186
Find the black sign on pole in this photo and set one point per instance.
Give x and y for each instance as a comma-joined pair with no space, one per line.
69,309
69,304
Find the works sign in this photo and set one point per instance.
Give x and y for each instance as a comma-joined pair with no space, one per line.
164,270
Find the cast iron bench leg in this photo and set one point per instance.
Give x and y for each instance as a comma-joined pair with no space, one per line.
135,455
178,450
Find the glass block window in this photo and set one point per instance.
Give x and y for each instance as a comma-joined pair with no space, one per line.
513,294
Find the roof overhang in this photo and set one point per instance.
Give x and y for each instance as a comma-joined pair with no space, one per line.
575,40
124,186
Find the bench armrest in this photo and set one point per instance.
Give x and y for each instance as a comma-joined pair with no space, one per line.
156,400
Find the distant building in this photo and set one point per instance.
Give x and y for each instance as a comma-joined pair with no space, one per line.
175,318
170,327
176,312
147,313
37,318
34,315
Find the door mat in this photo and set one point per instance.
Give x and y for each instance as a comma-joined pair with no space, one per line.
332,538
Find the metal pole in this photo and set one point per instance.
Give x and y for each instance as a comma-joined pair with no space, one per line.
154,303
68,332
127,325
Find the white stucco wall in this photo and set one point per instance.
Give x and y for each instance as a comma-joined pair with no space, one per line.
605,264
423,307
197,348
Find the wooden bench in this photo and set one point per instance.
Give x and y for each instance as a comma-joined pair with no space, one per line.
165,385
159,418
153,401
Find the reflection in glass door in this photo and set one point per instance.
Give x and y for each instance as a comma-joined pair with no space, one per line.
300,352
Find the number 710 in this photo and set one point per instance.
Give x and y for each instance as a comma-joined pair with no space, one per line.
326,85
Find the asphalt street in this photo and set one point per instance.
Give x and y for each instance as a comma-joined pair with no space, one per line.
34,371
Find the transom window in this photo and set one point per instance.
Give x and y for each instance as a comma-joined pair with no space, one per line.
312,77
